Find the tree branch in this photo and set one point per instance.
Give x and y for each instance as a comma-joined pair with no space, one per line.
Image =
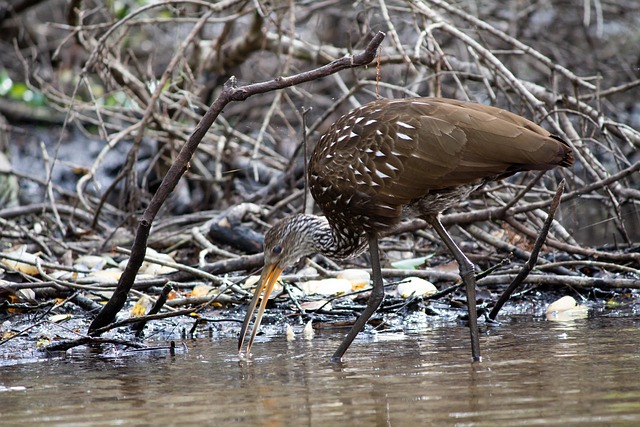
229,93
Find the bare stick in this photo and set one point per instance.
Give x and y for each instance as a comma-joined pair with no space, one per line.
166,289
533,259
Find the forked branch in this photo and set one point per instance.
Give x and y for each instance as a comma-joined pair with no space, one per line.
230,93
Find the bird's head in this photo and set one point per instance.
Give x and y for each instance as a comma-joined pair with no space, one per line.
284,244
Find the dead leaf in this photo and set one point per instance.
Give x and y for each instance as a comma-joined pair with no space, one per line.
43,342
141,307
326,286
59,318
316,305
566,308
24,257
200,291
358,278
415,286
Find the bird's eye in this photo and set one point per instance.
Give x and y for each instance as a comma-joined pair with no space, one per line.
277,250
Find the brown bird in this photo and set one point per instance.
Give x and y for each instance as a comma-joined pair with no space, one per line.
393,159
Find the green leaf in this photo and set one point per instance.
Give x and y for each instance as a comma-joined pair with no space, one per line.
411,264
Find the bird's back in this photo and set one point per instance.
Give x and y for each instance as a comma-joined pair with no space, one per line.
388,155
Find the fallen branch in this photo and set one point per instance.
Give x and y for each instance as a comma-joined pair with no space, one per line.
533,259
560,280
68,344
178,168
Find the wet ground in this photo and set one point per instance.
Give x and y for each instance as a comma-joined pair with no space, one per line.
534,372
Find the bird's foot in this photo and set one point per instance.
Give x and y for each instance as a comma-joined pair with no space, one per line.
335,359
488,320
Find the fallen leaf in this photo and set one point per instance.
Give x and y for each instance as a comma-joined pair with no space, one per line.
141,307
156,269
43,342
358,278
563,304
59,318
410,264
173,295
26,295
200,291
316,305
566,308
415,286
105,276
8,334
24,257
250,282
91,262
326,286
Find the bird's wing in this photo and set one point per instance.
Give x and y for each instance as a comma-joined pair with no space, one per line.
384,155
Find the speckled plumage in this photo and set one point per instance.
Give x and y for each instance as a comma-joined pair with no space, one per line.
391,159
415,157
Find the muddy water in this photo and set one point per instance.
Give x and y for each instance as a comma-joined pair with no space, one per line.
584,372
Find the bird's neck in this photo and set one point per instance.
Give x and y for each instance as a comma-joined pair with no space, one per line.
334,242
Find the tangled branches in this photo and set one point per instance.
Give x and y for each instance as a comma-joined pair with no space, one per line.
140,81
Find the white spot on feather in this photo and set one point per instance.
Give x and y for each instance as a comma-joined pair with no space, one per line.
405,125
370,122
382,174
404,136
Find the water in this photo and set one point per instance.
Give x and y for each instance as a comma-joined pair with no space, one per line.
534,372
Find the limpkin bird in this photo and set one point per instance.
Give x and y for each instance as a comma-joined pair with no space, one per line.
393,159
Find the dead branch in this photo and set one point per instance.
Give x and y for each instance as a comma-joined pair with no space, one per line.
533,258
229,94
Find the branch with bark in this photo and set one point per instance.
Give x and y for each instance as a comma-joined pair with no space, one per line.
231,92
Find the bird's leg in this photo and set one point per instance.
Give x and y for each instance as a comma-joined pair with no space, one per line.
467,274
375,299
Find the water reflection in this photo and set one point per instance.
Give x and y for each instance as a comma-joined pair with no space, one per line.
534,373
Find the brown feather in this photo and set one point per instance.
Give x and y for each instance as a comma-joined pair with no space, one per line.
388,159
391,156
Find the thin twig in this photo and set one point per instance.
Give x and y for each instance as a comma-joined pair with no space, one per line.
533,259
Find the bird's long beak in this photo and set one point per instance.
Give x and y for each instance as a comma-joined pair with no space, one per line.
268,279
